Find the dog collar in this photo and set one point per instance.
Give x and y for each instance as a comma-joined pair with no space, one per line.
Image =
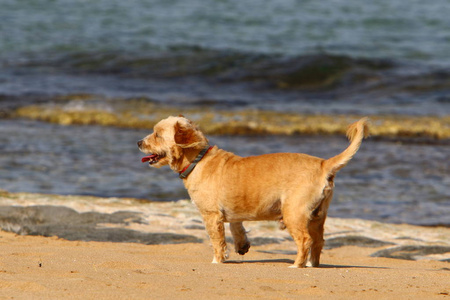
188,169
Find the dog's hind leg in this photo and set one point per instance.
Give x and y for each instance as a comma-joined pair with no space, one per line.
316,229
214,223
297,222
316,225
303,240
241,243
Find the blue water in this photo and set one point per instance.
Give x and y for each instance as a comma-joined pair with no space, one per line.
336,57
379,57
413,30
385,181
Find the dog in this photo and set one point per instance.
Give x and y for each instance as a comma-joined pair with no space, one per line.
294,189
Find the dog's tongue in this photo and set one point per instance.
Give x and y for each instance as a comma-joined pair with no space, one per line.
149,157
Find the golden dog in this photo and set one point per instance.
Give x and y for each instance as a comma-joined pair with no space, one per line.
295,189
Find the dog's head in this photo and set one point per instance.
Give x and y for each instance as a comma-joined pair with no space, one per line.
172,139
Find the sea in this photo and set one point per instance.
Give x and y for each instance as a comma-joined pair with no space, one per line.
332,57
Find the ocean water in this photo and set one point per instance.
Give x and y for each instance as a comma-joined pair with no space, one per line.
310,57
326,56
385,181
416,31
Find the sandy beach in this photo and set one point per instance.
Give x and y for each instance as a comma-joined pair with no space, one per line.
50,268
62,265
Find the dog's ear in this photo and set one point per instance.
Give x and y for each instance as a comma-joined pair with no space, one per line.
187,136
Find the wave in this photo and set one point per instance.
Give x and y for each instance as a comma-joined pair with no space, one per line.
145,113
309,72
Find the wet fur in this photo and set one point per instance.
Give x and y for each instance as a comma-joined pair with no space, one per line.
295,189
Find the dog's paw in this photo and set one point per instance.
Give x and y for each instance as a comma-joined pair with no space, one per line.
294,266
217,261
313,264
243,249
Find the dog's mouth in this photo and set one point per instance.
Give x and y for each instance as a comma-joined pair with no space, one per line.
153,158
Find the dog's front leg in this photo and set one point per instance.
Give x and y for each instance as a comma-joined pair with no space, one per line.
241,243
214,223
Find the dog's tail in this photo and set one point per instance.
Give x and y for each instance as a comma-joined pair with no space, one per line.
355,133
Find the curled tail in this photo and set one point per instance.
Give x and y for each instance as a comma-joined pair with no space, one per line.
355,133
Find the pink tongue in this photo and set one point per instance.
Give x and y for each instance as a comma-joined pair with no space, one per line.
147,158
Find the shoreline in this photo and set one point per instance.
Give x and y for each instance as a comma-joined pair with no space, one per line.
89,218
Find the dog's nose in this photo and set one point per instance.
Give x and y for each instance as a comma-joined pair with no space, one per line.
140,143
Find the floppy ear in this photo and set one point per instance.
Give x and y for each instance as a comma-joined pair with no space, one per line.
187,136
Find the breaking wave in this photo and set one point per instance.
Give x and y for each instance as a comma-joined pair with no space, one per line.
310,72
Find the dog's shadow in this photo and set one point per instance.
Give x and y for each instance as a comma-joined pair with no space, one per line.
291,262
261,261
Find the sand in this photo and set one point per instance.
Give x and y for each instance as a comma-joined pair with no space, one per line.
49,268
75,260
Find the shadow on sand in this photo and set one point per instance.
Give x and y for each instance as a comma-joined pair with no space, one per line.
290,262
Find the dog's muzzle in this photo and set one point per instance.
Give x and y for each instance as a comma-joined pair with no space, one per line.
152,158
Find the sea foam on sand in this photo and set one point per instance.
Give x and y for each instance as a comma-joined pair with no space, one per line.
89,218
